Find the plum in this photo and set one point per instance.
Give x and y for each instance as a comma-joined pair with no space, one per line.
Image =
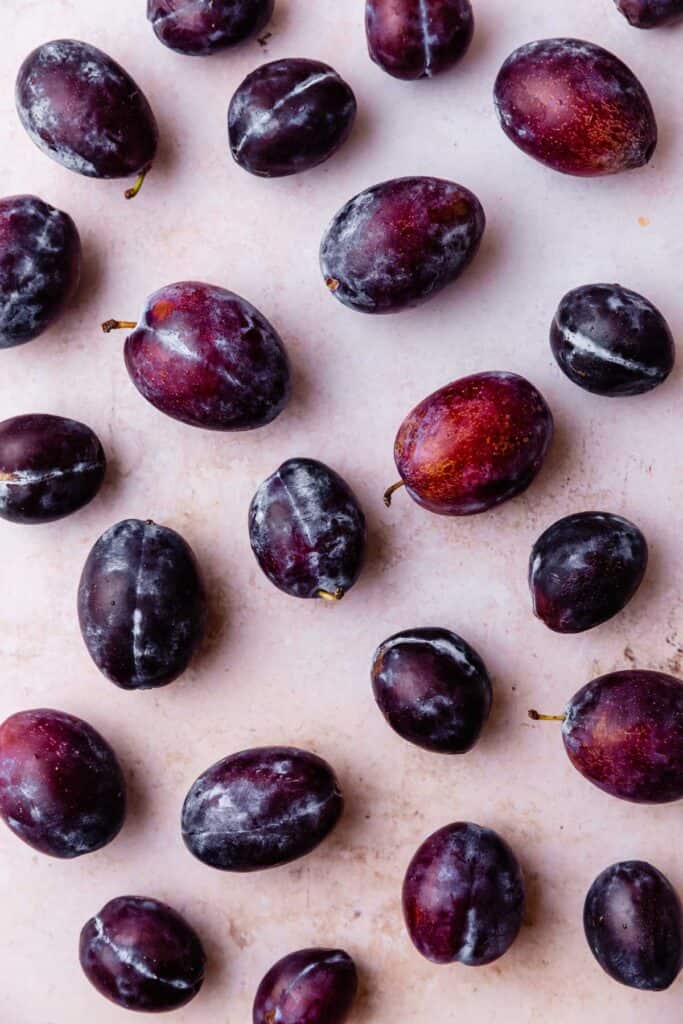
288,116
82,109
61,787
463,896
473,444
432,688
575,107
650,13
260,808
308,531
412,39
198,28
207,357
142,955
396,244
311,986
141,604
584,569
49,467
40,267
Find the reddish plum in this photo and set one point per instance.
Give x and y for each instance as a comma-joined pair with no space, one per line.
201,27
311,986
61,786
650,13
412,39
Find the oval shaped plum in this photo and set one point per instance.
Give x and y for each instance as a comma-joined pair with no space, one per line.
311,986
197,28
650,13
412,39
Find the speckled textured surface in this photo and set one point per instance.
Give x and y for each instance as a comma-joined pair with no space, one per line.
280,671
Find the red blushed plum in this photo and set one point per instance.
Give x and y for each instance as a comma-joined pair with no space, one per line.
473,444
308,531
198,28
432,688
413,39
40,267
396,244
463,896
141,604
632,921
288,116
82,109
61,786
49,467
311,986
650,13
575,107
260,808
584,569
142,955
207,357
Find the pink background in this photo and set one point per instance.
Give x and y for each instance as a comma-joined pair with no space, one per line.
277,670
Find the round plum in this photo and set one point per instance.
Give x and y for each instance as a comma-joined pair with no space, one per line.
198,28
141,604
473,444
288,116
40,267
260,808
650,13
311,986
575,107
412,39
142,955
432,688
61,787
398,243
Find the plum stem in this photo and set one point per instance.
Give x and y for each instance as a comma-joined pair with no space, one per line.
327,596
118,325
131,192
390,490
537,717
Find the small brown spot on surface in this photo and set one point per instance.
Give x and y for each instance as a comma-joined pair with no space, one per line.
332,283
644,222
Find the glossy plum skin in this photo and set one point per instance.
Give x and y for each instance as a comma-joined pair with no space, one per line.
61,787
398,243
650,13
260,808
624,733
142,955
307,530
311,986
611,341
40,267
413,39
473,444
575,107
49,467
141,604
584,569
208,358
432,688
82,109
288,116
632,921
463,896
198,28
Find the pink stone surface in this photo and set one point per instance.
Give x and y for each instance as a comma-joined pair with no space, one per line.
277,670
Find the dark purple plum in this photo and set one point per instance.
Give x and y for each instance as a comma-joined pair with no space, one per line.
82,109
463,896
198,28
632,920
207,357
40,267
584,569
260,808
432,688
141,604
650,13
288,116
412,39
624,733
142,955
49,467
307,530
61,786
311,986
395,245
611,341
575,107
